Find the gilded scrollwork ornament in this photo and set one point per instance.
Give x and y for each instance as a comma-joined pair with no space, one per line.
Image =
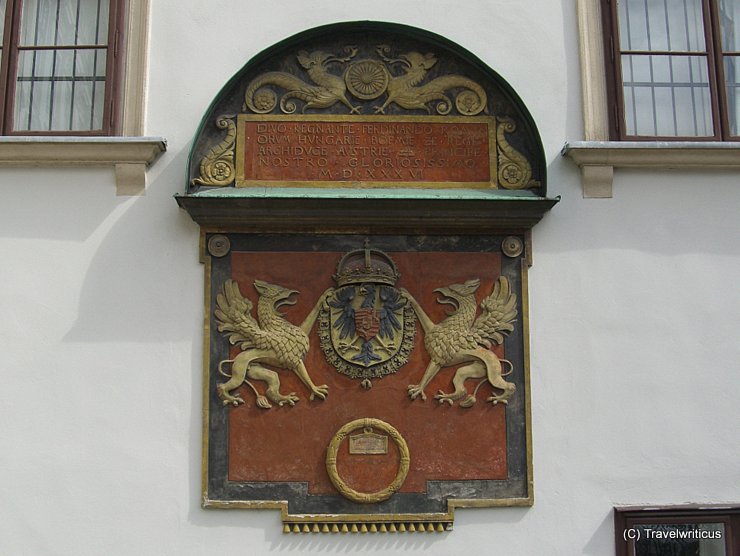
514,170
366,79
217,166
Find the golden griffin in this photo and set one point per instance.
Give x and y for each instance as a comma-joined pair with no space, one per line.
270,340
405,90
327,91
463,339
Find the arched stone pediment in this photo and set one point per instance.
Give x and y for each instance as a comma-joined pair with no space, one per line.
367,110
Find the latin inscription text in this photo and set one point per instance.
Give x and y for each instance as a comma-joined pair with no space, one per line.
366,151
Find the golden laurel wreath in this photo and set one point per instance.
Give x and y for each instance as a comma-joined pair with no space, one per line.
346,490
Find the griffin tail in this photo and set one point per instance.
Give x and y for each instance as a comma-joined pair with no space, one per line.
471,101
221,367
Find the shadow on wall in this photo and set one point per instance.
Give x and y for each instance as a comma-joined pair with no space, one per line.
144,280
601,541
57,204
667,212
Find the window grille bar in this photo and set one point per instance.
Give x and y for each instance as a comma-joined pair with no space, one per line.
62,47
33,66
670,67
95,65
54,65
58,78
74,68
77,23
652,69
97,23
631,62
729,61
665,84
665,53
691,68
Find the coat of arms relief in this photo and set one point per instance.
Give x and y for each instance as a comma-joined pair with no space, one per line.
366,329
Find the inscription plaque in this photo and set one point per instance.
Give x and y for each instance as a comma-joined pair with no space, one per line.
368,443
375,152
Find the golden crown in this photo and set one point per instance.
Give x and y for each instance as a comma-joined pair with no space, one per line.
366,265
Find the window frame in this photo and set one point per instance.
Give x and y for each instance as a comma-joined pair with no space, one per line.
716,76
112,110
596,155
625,518
129,154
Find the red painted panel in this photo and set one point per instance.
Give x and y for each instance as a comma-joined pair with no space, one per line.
289,443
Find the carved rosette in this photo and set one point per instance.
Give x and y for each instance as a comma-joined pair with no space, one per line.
367,79
217,167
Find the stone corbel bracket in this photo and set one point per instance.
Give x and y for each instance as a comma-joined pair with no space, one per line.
129,156
597,159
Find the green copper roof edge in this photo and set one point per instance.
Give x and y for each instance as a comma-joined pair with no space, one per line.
337,193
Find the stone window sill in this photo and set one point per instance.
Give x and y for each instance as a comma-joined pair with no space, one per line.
597,159
129,156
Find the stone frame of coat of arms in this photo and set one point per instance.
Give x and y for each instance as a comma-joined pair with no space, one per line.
366,194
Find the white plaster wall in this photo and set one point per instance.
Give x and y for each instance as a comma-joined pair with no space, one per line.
635,308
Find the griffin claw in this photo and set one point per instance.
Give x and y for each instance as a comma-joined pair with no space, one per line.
441,397
415,391
320,392
290,399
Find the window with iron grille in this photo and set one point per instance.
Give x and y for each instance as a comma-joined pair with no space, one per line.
59,71
673,69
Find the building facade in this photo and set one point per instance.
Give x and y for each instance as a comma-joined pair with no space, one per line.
633,297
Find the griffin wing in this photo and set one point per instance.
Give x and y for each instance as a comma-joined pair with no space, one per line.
233,313
499,312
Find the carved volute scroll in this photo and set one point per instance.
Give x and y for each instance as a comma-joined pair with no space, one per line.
217,166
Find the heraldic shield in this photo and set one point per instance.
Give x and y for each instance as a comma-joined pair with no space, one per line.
367,326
